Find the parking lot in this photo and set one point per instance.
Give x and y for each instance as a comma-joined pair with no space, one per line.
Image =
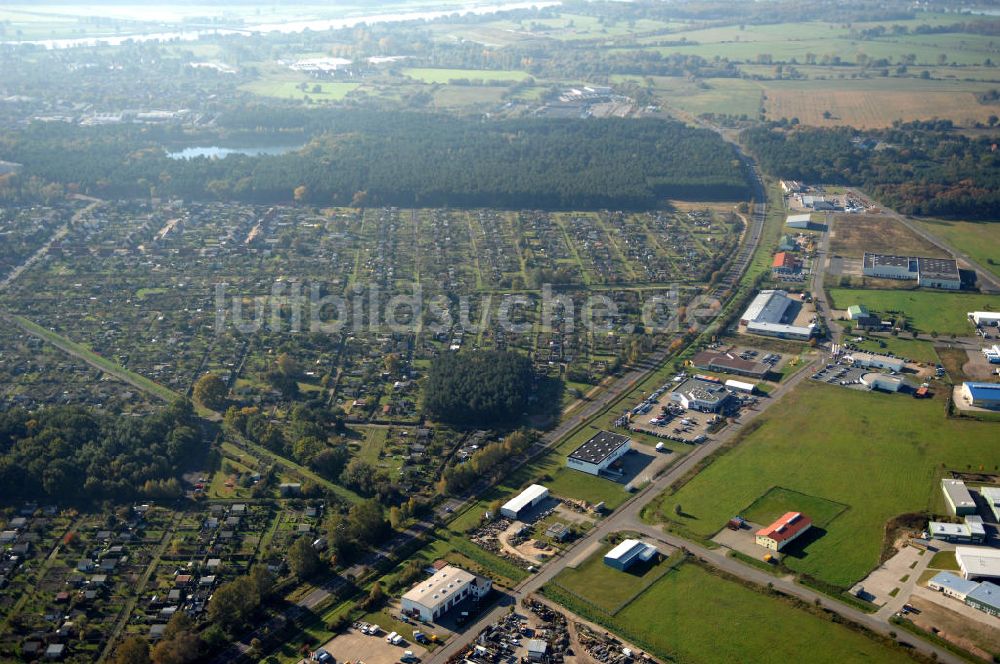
353,646
838,374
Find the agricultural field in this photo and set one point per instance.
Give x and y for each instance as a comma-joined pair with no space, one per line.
434,75
927,311
283,88
692,614
879,454
911,349
980,241
878,102
854,234
605,587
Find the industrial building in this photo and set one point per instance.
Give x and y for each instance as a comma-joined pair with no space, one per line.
785,264
952,585
978,562
982,395
986,598
597,454
985,317
883,382
798,220
970,531
433,597
991,495
929,272
701,395
731,364
983,596
856,311
957,496
872,361
992,354
525,500
786,529
741,386
628,553
767,315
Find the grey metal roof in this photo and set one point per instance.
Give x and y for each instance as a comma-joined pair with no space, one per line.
599,447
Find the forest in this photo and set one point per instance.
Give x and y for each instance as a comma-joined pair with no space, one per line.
918,168
402,159
77,454
485,388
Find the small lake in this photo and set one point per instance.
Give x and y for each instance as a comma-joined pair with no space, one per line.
217,152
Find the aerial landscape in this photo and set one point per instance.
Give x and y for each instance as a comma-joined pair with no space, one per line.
497,332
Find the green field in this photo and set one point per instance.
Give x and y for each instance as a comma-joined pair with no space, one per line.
692,615
605,587
778,501
979,240
880,454
434,75
928,311
289,89
911,349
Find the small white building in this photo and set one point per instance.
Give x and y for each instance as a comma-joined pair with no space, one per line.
450,585
628,553
870,360
881,381
985,317
798,220
741,386
528,498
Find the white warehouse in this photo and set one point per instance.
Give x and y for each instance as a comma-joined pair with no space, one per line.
528,498
597,454
985,317
433,597
869,360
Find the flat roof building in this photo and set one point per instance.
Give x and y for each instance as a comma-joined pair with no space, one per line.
985,597
701,395
729,363
433,597
991,495
978,562
970,531
881,381
952,585
957,496
982,395
528,498
628,553
985,317
992,354
597,454
789,527
767,313
741,386
930,272
798,220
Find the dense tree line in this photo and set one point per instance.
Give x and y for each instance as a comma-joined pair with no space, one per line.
485,388
405,159
72,453
917,168
487,462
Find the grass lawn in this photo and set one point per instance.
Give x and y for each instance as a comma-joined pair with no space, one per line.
289,89
911,349
435,75
878,453
778,501
692,615
979,240
606,587
944,560
928,311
